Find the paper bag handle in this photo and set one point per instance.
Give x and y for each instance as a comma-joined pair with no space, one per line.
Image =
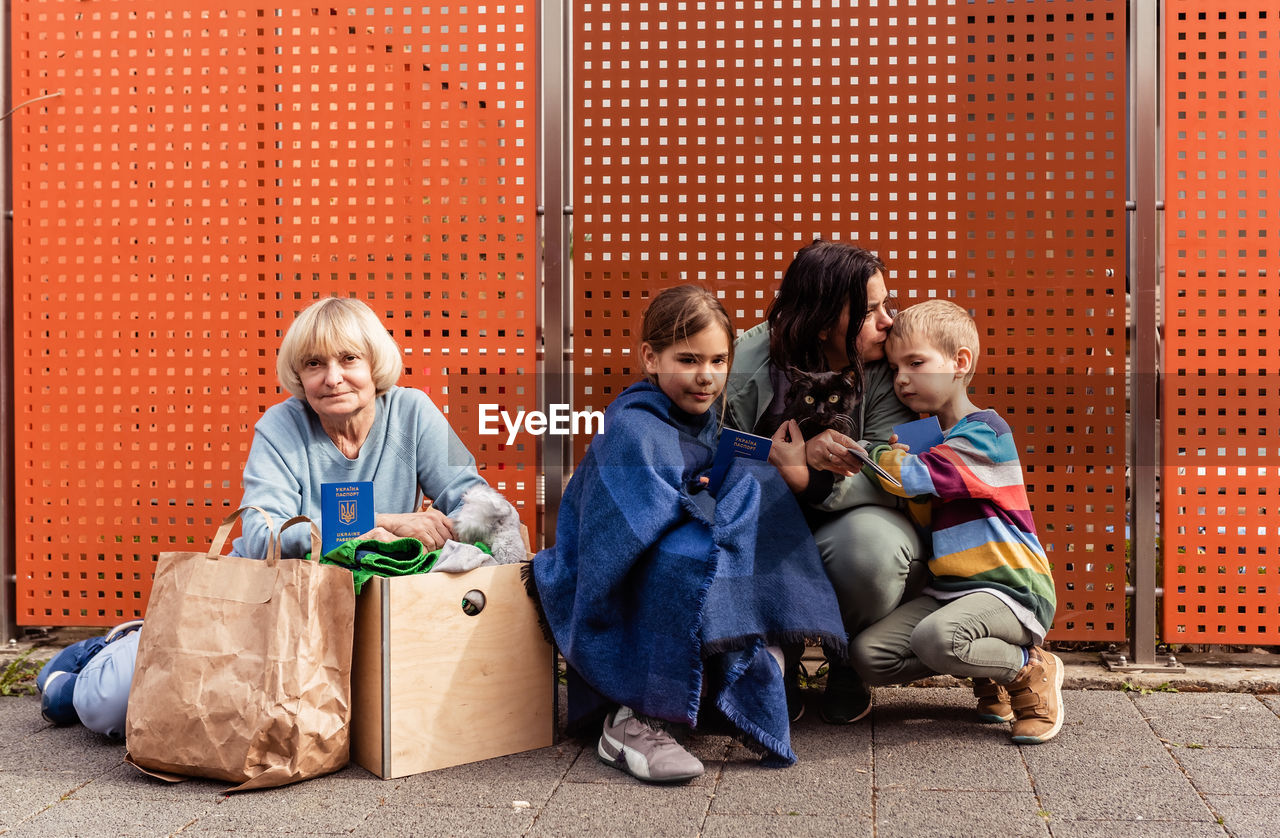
224,530
316,546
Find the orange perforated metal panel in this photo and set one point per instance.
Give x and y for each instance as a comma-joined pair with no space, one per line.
1221,545
979,148
202,173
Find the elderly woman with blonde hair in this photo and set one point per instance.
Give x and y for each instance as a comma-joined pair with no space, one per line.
347,421
344,421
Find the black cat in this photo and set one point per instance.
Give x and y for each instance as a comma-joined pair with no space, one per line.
817,401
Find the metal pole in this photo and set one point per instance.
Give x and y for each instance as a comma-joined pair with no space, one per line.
1144,255
8,559
554,209
556,293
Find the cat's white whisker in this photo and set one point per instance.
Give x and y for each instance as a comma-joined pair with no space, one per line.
843,423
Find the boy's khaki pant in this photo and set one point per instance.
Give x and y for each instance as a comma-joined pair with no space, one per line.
975,636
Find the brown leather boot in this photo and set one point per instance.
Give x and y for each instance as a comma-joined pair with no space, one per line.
1036,698
993,701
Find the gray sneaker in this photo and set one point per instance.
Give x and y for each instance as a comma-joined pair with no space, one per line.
630,745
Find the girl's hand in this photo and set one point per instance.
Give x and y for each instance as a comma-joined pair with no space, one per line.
897,446
431,527
788,456
829,451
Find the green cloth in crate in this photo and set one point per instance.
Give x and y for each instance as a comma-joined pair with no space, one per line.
366,558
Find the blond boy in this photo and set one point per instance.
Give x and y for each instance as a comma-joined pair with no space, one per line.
990,599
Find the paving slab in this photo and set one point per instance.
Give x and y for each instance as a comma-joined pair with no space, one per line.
1102,714
72,749
405,820
124,819
531,777
1110,765
1129,780
20,717
832,776
595,809
932,739
323,806
1248,816
906,713
915,813
1234,720
25,794
1232,770
787,826
1135,829
1163,765
124,782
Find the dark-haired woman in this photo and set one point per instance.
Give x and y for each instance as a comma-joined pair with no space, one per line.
832,313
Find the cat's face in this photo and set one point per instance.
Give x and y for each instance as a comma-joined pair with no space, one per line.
820,400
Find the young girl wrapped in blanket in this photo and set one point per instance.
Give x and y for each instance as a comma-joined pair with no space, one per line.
668,602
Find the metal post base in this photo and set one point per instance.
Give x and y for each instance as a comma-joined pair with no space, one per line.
1165,663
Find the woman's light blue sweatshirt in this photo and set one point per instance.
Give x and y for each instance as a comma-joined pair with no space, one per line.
410,445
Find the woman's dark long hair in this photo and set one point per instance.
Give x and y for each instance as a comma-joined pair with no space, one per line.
822,281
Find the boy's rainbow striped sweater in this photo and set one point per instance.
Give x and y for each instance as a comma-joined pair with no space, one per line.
984,538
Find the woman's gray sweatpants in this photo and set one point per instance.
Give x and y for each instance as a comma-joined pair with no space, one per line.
873,556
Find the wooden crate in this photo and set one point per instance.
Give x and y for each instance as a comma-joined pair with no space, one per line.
434,686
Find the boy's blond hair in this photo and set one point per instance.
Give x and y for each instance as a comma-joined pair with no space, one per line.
942,324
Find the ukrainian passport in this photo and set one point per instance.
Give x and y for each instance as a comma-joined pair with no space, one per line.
735,443
346,512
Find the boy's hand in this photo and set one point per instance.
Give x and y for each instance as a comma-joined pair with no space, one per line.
897,446
829,451
787,454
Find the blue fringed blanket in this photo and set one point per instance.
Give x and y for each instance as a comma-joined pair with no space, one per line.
650,590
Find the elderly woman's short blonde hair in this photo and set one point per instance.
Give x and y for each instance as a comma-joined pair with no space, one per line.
336,326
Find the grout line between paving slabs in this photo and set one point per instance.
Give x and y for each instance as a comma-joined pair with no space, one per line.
875,784
1035,789
1176,762
559,782
715,790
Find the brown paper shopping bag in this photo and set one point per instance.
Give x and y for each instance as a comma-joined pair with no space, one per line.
244,667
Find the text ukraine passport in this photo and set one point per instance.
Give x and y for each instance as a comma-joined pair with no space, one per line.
346,511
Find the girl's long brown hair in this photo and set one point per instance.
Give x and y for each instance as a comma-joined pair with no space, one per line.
680,312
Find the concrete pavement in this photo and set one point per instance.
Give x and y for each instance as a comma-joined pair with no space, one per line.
1129,762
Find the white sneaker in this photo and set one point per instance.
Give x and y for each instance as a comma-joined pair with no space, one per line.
630,745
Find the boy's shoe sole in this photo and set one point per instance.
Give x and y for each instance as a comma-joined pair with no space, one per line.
993,702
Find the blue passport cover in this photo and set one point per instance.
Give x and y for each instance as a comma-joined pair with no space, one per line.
346,511
735,444
920,435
